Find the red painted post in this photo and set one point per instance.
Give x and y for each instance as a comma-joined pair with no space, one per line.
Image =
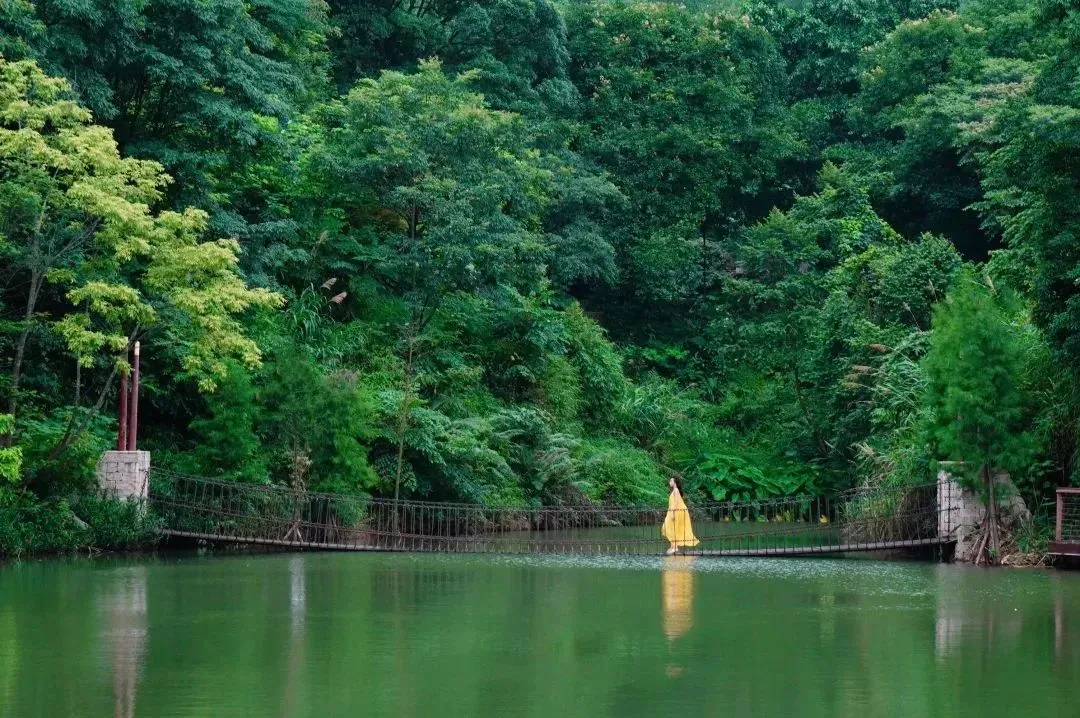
133,417
121,432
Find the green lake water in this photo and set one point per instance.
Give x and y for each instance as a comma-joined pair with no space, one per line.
414,635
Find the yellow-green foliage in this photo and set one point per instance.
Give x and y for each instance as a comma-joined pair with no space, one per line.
82,218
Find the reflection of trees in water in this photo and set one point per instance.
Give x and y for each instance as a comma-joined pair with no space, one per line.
485,638
9,657
407,699
966,612
949,619
1066,638
297,608
1059,627
125,631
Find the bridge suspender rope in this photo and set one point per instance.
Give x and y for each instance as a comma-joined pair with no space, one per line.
867,519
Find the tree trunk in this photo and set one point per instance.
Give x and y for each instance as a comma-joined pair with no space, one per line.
36,278
73,429
995,544
988,548
823,447
403,423
301,462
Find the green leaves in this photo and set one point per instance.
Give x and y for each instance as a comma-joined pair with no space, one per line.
974,389
10,456
199,281
684,110
82,217
1030,193
508,200
730,477
315,426
452,189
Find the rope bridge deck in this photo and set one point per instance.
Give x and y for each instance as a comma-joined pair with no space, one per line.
868,519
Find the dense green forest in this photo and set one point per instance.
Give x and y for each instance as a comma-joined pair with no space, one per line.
532,251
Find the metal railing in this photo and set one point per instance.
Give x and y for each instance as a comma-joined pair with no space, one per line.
864,519
1067,516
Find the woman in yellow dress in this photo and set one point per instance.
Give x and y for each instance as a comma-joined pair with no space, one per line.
677,529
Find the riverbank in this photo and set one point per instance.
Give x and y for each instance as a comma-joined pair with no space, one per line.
860,523
91,524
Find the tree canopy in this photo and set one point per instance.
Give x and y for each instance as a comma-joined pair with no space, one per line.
524,252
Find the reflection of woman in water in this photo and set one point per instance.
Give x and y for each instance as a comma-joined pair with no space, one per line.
677,529
678,580
678,602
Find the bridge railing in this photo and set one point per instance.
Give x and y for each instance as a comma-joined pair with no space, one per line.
861,519
1067,523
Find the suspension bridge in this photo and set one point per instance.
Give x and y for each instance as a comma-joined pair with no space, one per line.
865,519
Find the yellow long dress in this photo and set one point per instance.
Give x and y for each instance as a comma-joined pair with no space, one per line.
677,529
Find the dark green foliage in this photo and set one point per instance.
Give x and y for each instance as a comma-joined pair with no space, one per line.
20,29
28,526
226,442
599,368
823,40
517,47
621,474
71,470
197,86
451,206
1030,177
816,289
973,390
174,72
536,254
729,477
315,426
117,525
655,81
913,117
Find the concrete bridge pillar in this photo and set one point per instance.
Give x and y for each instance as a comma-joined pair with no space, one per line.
961,511
956,511
124,474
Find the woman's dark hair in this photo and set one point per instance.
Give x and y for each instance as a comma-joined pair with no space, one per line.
678,484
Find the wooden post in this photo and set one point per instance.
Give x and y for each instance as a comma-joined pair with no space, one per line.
133,417
1060,514
121,432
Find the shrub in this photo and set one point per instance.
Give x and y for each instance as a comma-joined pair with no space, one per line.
613,471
